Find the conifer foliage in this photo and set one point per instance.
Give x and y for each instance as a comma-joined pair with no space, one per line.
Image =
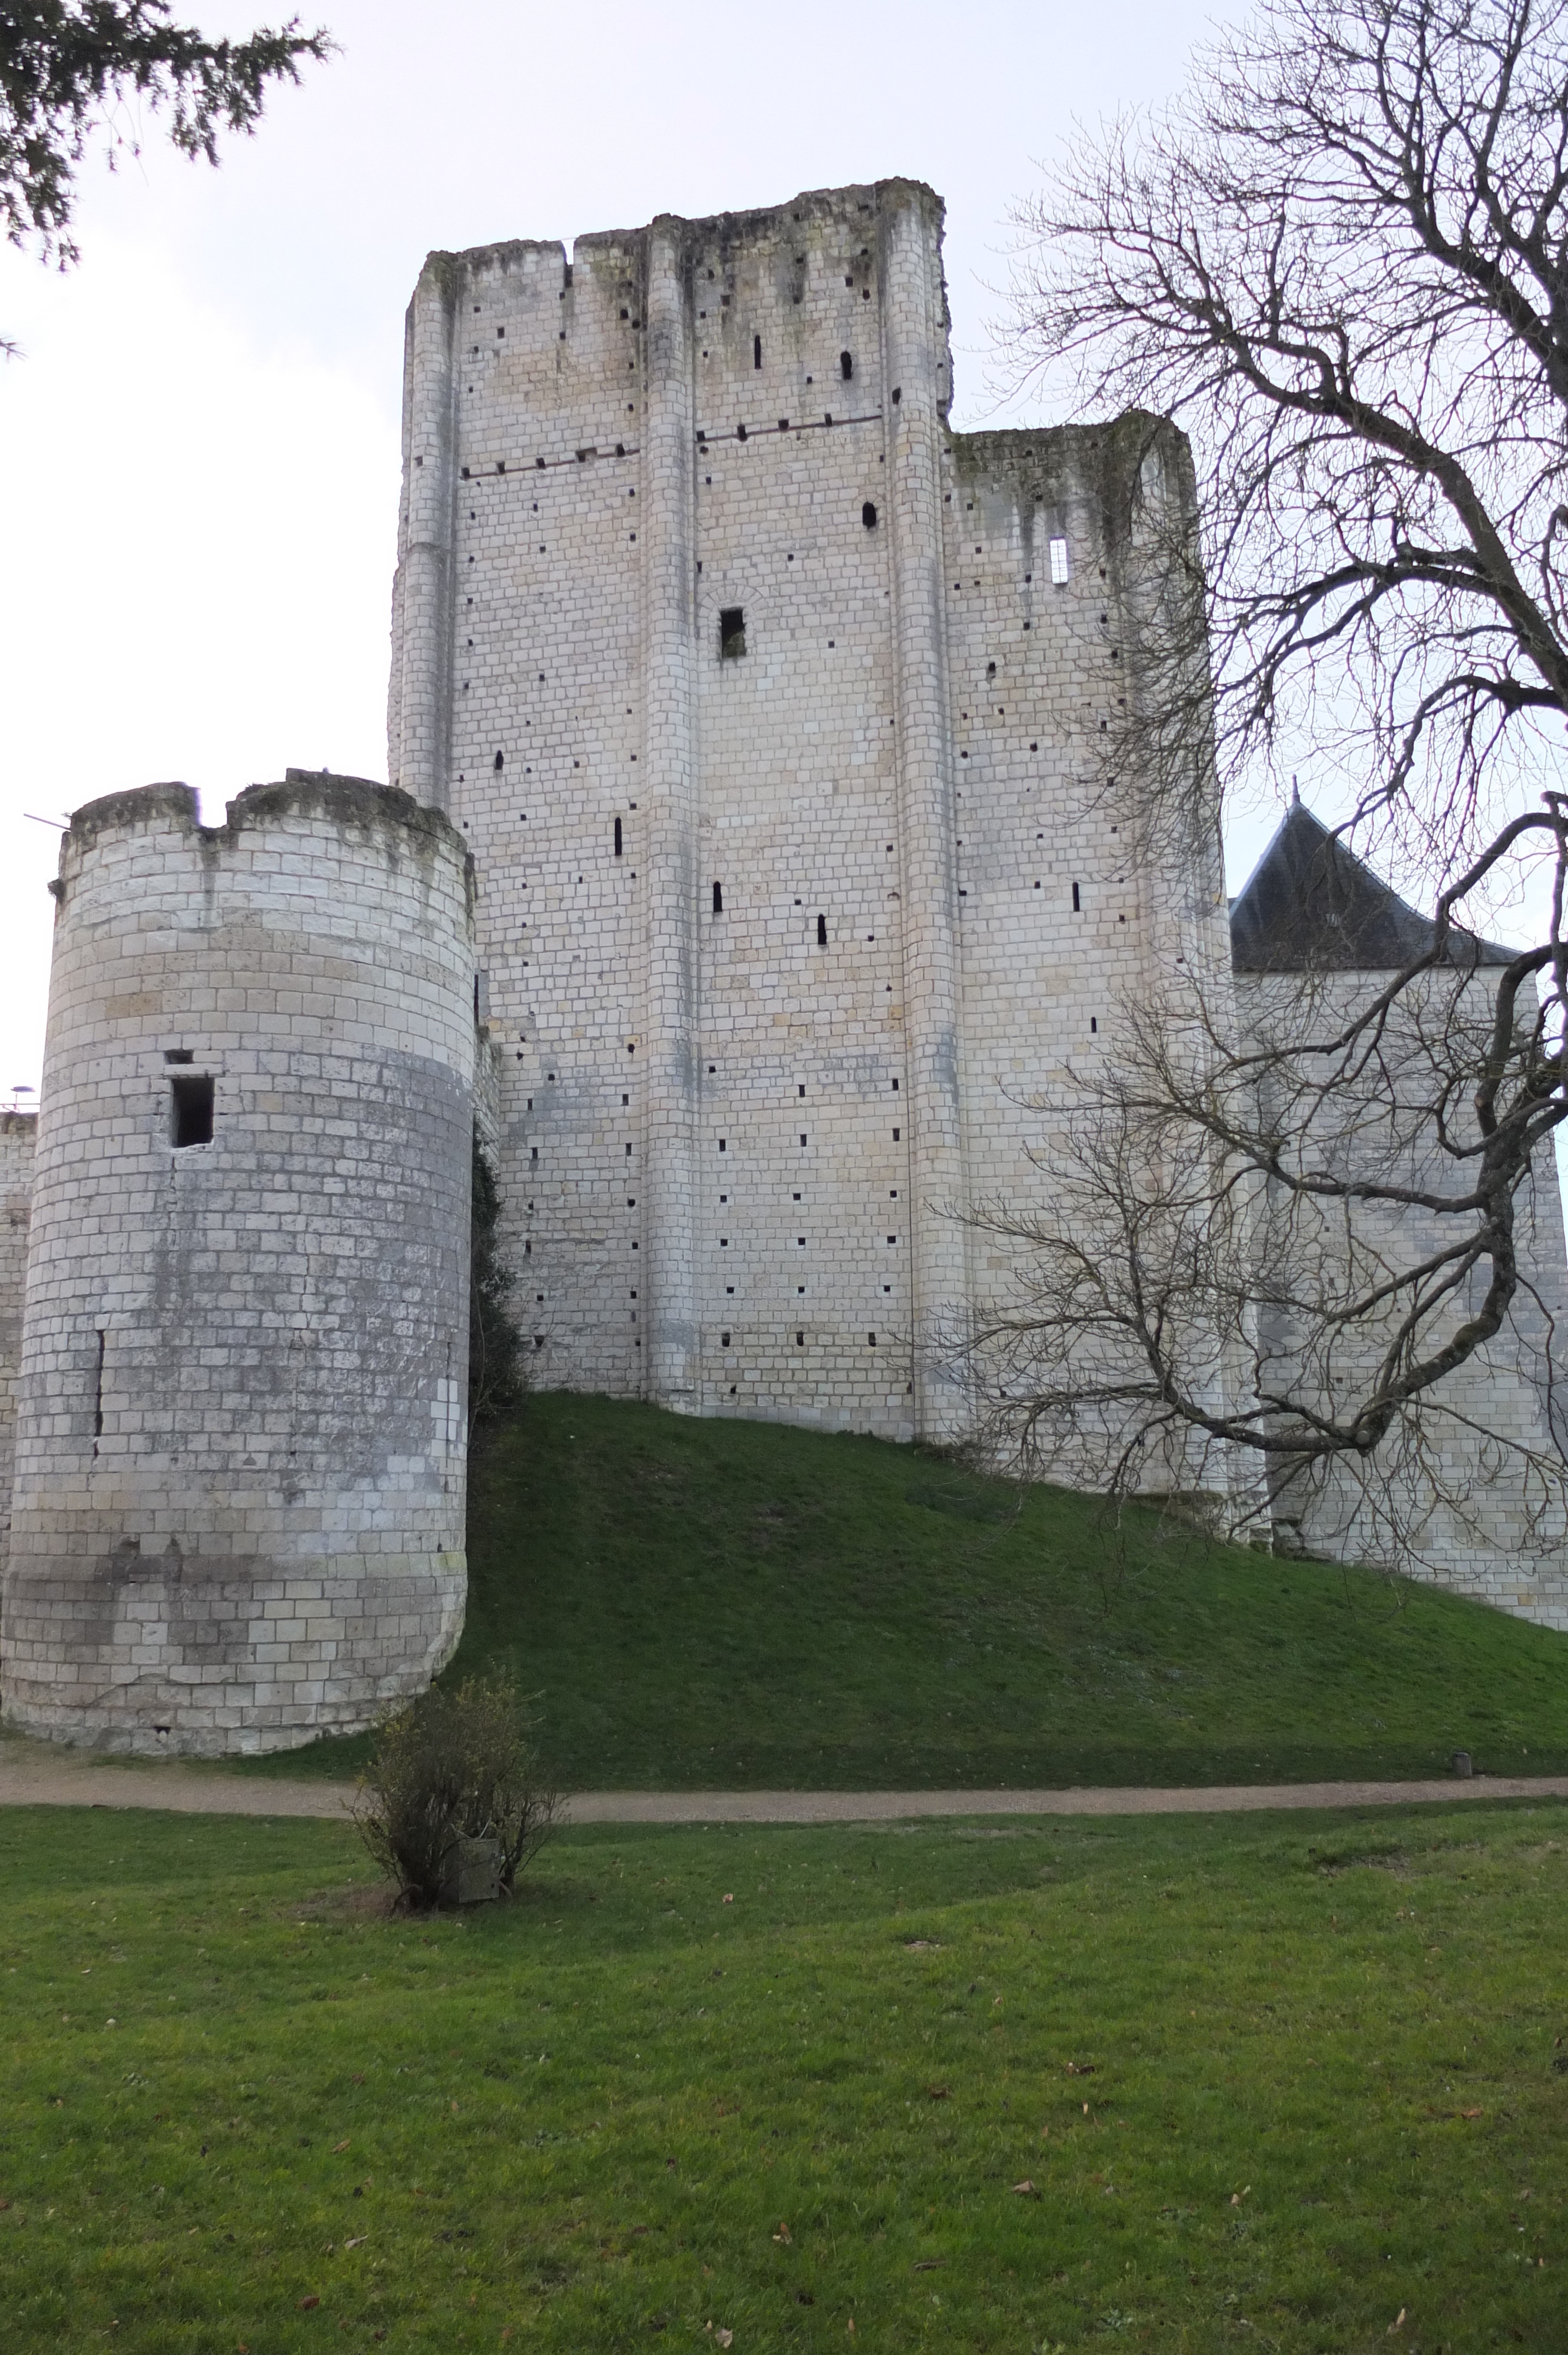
72,72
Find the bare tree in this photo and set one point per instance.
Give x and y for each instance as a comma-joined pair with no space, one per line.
1341,261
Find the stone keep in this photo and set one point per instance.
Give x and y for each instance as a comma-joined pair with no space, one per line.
766,702
239,1504
1315,940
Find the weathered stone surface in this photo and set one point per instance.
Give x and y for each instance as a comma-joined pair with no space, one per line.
779,945
238,1515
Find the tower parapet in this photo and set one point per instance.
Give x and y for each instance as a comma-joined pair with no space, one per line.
238,1518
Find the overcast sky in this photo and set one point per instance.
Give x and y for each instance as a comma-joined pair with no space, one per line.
199,444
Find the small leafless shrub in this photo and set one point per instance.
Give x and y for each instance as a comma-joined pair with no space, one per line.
453,1765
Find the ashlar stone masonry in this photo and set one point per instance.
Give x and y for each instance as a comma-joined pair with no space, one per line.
239,1500
762,698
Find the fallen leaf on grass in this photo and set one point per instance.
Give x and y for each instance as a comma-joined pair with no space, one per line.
1080,2069
927,2265
728,1898
358,2241
922,1945
1237,2197
1398,2322
338,2146
1469,2113
938,2092
783,2234
306,2303
1027,2188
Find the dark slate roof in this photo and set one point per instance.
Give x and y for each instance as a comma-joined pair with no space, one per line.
1312,907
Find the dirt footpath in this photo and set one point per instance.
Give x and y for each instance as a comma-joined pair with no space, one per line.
45,1774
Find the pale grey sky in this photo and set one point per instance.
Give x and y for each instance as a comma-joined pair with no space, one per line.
198,452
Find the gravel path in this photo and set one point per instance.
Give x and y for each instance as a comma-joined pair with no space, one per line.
42,1773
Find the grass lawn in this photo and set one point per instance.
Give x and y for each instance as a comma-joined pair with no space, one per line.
702,1604
1273,2080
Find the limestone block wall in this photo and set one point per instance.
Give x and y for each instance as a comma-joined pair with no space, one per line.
17,1133
240,1446
1443,1498
766,963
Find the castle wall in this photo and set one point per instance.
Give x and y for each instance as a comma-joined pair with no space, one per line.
19,1131
1443,1498
240,1446
736,1128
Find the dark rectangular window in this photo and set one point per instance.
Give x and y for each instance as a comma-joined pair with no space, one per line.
732,631
822,932
617,837
191,1111
756,351
718,899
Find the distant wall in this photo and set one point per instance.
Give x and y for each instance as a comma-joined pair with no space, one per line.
1441,1497
778,943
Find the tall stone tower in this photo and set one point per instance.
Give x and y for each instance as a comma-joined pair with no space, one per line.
774,712
238,1518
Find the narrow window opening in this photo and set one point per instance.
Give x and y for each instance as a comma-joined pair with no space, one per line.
500,763
179,1055
718,899
732,632
799,1340
1059,571
800,1090
822,932
868,516
897,1136
756,351
724,1340
872,1339
846,366
617,837
1076,903
97,1394
1094,1022
192,1111
723,1145
802,1137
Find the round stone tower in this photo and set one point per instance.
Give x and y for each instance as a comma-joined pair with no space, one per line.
237,1516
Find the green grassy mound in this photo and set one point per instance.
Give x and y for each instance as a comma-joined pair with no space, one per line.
1181,2083
707,1605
